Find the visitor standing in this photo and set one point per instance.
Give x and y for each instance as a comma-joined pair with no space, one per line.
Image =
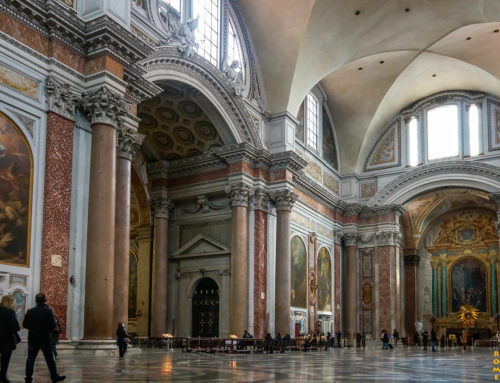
416,339
395,336
363,339
40,321
425,339
433,339
9,338
122,339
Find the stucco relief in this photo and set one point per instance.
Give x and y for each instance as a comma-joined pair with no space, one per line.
367,190
386,151
331,183
314,170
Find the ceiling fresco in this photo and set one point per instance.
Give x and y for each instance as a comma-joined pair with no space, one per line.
177,124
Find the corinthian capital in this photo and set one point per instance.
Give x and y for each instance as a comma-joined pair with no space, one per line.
351,238
261,200
285,200
60,98
102,106
128,141
161,207
239,194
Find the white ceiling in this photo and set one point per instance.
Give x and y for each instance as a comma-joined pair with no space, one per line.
302,42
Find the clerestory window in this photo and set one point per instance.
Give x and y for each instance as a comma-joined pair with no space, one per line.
312,121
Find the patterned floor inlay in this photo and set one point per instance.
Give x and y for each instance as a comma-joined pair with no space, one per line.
347,365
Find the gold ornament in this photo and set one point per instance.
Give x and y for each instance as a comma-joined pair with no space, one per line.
468,315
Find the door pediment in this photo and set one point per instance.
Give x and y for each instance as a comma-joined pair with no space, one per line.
201,246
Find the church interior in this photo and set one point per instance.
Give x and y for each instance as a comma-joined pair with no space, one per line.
199,168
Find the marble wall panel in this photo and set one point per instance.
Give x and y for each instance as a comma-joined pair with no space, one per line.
260,273
336,288
384,258
57,214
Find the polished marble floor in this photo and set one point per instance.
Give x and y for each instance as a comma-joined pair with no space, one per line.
348,365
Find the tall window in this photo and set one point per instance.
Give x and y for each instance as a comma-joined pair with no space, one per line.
312,125
442,132
413,142
474,130
207,33
233,47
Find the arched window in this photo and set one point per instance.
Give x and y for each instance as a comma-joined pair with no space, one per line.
442,132
207,33
312,121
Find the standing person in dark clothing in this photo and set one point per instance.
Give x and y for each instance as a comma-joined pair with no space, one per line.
122,336
339,337
416,339
434,340
9,326
363,339
40,322
425,339
395,336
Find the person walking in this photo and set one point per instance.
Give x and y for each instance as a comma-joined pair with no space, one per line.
434,339
40,321
395,336
122,339
363,339
54,337
9,338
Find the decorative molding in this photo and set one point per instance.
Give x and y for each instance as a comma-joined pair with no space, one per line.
285,200
239,194
351,238
439,98
158,170
415,177
170,60
331,183
388,238
102,106
367,189
337,237
204,205
28,123
61,99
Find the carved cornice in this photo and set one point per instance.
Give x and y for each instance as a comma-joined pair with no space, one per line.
103,106
353,209
52,20
285,200
158,170
239,194
388,238
128,141
495,197
61,99
318,192
138,88
261,200
383,210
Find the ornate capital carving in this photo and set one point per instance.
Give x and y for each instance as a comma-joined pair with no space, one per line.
239,194
388,238
128,141
60,98
493,256
411,260
261,200
351,238
103,106
161,207
434,263
337,237
285,200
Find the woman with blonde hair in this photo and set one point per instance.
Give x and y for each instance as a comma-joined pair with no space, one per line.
9,326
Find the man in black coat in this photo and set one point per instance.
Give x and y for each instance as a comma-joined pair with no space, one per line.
40,321
9,326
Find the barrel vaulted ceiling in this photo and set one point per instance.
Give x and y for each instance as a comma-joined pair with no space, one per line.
373,57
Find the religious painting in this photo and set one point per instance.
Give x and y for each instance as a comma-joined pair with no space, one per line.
298,293
324,280
329,149
15,194
132,285
468,284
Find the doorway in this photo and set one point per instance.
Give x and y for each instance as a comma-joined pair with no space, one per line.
205,310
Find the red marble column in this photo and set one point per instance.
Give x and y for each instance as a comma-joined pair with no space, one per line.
337,284
351,296
384,287
261,201
57,214
411,260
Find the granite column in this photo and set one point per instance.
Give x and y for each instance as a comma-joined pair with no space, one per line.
411,260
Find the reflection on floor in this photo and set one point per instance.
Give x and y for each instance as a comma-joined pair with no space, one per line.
348,365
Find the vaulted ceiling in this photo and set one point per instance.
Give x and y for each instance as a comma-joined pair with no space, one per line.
373,57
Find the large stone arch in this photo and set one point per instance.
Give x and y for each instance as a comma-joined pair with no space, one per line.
167,64
429,177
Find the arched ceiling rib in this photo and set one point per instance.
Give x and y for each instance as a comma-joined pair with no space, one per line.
300,43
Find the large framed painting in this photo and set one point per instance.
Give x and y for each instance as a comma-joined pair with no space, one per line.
468,284
16,169
324,280
132,285
298,293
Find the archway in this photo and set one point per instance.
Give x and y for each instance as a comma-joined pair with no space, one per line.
205,309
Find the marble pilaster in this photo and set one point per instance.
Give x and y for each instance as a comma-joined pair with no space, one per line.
284,202
351,291
435,290
337,292
411,260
